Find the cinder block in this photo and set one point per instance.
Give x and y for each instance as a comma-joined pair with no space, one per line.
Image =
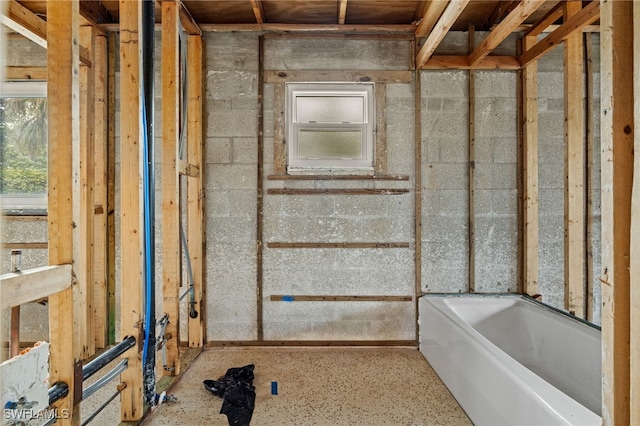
495,84
245,151
218,150
236,176
228,123
436,279
445,84
231,51
234,85
231,229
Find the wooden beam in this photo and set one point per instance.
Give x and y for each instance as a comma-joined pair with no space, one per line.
195,187
591,191
381,129
95,13
518,15
574,201
312,28
502,10
441,28
25,73
336,191
258,11
342,11
576,23
546,21
530,209
112,52
634,258
291,76
462,63
131,208
171,253
430,17
188,23
417,195
336,298
260,198
63,92
100,157
471,165
25,22
84,230
359,245
32,284
279,147
9,246
617,174
187,169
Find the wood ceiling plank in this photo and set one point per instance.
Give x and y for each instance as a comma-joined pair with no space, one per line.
258,11
430,17
518,15
342,12
552,16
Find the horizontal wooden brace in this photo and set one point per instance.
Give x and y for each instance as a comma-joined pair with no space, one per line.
276,76
25,245
338,177
33,284
338,245
462,63
335,191
330,298
13,73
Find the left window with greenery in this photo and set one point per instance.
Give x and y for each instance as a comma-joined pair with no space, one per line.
23,145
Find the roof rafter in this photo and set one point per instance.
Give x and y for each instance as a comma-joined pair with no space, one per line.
258,11
502,9
577,22
342,12
440,29
518,15
547,20
430,17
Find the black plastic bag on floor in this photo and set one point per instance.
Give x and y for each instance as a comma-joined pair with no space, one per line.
236,387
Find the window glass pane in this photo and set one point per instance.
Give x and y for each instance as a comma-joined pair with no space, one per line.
330,109
23,145
314,143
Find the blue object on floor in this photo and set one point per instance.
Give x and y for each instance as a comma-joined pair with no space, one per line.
274,388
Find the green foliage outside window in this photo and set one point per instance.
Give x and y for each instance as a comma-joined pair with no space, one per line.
23,146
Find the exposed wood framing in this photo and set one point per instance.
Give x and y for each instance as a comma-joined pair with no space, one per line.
291,76
63,91
195,186
574,201
505,28
381,128
342,11
430,17
576,23
634,261
336,298
188,23
500,12
14,339
10,246
95,13
258,12
338,177
112,46
444,24
589,193
32,284
462,63
26,73
617,162
260,197
336,191
530,209
187,169
472,167
547,20
100,134
417,198
310,28
131,208
171,253
84,231
362,245
279,146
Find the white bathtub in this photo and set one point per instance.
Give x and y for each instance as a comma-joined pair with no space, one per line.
509,360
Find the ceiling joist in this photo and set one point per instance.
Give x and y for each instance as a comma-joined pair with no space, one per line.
258,11
440,29
552,16
342,12
188,23
518,15
577,22
430,17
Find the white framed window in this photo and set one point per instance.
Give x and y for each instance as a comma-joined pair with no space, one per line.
23,145
330,127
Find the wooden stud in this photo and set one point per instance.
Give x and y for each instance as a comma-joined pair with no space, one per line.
589,193
14,342
260,197
634,259
131,207
171,253
472,167
84,231
530,210
111,185
63,93
417,199
381,128
100,134
195,186
279,146
574,213
617,174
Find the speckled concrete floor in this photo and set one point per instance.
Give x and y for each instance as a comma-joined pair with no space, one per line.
318,386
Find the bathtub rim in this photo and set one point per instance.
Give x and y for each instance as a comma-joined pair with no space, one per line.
523,296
